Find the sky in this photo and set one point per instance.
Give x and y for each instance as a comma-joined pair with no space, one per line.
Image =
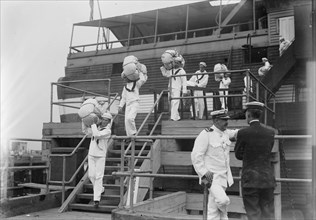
35,39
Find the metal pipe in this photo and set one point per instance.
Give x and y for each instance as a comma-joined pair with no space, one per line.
63,178
194,136
71,38
176,176
187,23
51,101
129,30
156,26
122,178
254,14
24,168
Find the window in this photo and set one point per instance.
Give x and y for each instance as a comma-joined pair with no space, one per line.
254,55
117,68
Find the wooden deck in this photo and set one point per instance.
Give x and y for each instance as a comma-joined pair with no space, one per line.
54,214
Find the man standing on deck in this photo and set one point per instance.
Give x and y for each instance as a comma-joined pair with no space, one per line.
210,159
254,145
177,84
201,82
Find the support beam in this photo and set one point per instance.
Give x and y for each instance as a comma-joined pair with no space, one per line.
230,15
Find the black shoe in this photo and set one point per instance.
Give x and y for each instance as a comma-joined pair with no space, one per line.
96,204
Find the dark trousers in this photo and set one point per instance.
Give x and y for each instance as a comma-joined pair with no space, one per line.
259,203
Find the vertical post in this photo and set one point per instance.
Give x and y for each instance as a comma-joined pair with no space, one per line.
254,14
156,26
257,91
151,186
132,183
72,34
187,23
265,109
129,30
220,18
64,179
155,109
170,92
205,105
51,102
121,177
248,85
98,35
109,92
48,173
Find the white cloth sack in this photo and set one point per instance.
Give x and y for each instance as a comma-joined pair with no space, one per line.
130,70
89,112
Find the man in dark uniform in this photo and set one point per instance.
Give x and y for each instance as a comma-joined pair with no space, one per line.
254,145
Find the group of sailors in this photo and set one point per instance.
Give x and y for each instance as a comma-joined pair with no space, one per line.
210,154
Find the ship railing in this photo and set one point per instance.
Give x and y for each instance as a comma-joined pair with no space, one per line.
7,168
131,146
132,173
112,97
176,35
63,181
252,90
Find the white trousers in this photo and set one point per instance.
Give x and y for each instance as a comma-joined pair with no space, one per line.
96,173
198,104
130,115
175,93
224,99
217,203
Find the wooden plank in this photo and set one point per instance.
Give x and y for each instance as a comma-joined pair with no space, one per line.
194,127
195,202
180,158
161,203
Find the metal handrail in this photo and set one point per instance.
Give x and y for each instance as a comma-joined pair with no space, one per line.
131,174
61,84
146,118
126,40
248,94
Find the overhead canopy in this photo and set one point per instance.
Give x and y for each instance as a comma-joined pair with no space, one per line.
172,19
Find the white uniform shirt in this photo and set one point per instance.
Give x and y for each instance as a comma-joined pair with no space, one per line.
131,96
99,140
199,80
177,82
211,153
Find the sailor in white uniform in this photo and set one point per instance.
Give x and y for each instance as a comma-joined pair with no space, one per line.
210,159
100,134
130,97
177,84
199,81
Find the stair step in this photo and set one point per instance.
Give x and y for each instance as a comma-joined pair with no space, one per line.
89,185
103,197
90,207
115,167
145,152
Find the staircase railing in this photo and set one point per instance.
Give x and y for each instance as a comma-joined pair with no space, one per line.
131,146
131,174
251,92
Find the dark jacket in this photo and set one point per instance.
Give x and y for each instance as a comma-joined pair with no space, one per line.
254,145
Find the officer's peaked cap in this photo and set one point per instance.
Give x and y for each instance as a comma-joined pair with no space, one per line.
221,114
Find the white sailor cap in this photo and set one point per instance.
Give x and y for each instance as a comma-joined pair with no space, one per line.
254,105
107,115
221,114
203,64
264,59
